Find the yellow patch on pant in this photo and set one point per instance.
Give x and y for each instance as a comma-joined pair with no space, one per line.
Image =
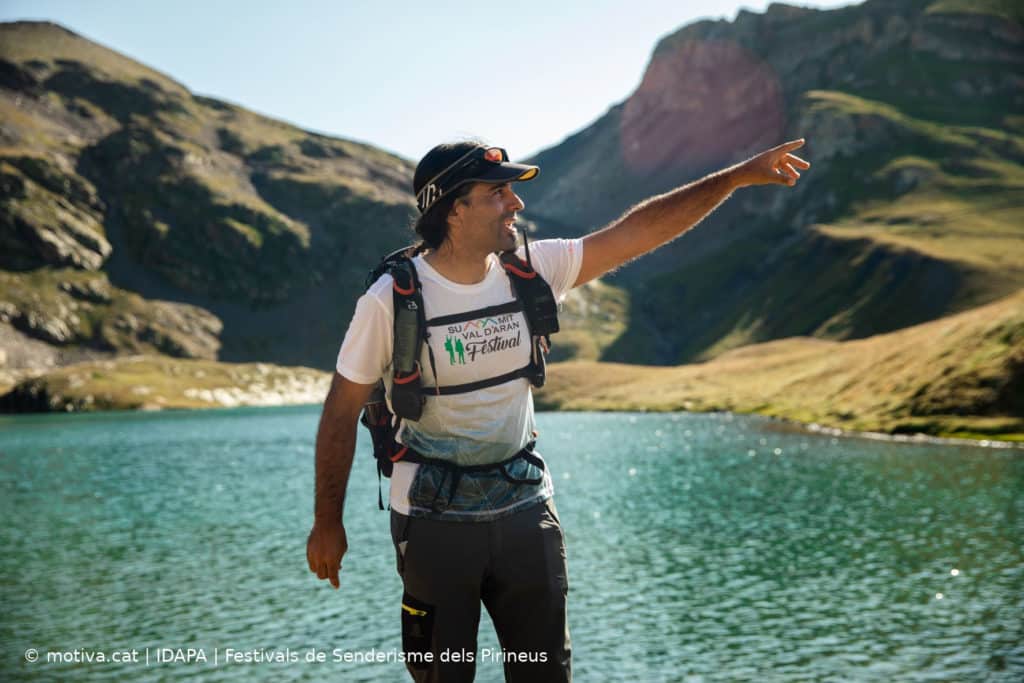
413,611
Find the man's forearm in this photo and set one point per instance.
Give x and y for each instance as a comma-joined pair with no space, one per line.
663,217
660,219
653,222
335,447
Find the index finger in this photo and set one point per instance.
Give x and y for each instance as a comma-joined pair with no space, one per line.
789,146
332,575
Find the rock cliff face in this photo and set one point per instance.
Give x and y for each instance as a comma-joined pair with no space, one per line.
911,110
136,217
52,216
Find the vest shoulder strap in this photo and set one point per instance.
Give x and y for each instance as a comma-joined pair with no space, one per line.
539,303
409,335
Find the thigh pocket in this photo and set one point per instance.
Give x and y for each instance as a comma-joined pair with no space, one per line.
417,630
400,537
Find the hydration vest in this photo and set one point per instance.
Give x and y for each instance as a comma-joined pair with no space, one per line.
533,297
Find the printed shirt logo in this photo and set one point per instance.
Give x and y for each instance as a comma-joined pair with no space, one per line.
470,342
457,348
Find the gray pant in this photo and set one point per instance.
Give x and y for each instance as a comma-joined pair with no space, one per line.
515,565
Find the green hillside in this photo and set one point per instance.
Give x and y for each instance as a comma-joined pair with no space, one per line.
112,168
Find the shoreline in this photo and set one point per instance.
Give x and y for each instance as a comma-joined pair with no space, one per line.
148,383
789,424
916,438
777,423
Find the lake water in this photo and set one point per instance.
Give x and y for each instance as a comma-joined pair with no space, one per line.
701,548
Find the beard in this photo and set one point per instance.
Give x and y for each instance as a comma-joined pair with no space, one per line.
508,234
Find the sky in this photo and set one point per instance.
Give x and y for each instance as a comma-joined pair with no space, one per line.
399,75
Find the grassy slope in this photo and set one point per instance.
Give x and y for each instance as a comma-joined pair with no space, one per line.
954,193
1008,9
592,317
959,376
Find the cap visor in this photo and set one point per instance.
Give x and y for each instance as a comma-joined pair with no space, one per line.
508,172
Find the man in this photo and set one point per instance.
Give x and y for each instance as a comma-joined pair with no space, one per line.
472,516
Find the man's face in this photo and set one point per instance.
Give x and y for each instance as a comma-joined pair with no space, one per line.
488,214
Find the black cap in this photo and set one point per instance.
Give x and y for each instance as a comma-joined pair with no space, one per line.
449,166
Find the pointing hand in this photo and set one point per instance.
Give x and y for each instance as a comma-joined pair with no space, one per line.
776,165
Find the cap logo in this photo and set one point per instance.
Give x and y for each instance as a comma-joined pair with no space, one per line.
428,195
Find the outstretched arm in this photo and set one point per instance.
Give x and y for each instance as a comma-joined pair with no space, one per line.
661,218
335,446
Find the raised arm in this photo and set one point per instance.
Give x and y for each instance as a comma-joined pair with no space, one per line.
335,447
662,218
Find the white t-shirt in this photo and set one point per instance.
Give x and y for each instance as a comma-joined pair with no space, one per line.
480,427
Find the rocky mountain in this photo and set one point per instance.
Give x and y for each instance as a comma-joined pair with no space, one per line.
914,115
136,217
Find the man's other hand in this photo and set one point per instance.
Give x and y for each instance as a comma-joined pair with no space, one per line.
324,549
776,165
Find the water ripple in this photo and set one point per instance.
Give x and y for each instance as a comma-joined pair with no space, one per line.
701,548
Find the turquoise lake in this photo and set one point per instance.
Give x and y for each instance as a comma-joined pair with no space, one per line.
702,547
